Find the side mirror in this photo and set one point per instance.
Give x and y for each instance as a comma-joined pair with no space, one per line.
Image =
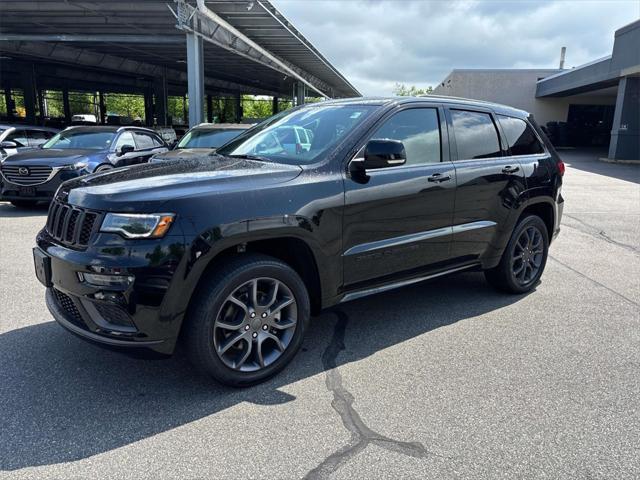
8,144
379,154
124,149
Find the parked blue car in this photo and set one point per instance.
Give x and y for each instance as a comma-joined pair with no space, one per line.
34,176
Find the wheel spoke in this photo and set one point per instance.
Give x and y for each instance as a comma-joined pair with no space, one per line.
238,303
254,292
274,294
277,341
517,271
231,342
244,358
228,326
283,325
259,352
283,304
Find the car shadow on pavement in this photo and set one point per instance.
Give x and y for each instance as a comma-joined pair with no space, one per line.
62,399
9,211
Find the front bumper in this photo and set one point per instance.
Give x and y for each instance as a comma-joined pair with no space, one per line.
44,192
139,314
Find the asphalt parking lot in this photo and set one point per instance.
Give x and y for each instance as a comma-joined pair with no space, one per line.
446,379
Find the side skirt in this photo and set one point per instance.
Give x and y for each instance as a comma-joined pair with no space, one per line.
402,283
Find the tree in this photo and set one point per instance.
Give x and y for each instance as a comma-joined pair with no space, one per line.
401,90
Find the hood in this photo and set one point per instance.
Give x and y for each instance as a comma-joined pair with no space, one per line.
53,157
183,154
144,188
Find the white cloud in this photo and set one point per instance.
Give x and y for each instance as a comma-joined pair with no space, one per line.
377,43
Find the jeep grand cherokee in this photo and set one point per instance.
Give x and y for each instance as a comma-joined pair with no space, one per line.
232,252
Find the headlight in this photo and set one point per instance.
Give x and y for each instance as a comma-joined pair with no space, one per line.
138,225
76,166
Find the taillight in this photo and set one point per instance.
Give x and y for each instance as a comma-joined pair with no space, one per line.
560,167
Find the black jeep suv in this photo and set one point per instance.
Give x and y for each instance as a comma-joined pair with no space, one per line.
232,252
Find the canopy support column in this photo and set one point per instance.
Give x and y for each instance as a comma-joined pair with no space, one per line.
195,72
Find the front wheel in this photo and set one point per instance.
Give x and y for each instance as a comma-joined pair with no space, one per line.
524,258
247,320
104,168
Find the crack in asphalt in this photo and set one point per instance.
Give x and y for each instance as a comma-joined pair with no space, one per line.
587,277
600,234
361,434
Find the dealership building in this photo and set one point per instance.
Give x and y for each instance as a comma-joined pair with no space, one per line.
597,104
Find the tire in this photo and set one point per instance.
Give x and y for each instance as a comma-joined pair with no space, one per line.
256,356
519,254
103,168
24,203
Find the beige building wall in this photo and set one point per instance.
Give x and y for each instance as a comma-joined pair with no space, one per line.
516,88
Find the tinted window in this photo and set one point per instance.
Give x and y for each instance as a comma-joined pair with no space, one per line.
19,137
87,139
39,137
326,125
476,135
207,138
522,140
126,138
143,140
418,129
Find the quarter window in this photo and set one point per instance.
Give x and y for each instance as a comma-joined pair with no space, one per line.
522,140
476,135
419,130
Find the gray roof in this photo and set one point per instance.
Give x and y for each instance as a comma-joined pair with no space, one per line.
140,37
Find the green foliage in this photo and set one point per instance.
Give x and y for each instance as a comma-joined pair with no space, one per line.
131,106
402,90
253,107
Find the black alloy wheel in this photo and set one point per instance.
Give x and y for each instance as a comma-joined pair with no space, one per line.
255,324
247,319
524,257
527,255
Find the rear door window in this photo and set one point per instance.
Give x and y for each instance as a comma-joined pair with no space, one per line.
419,131
476,135
39,137
20,138
143,140
522,140
125,138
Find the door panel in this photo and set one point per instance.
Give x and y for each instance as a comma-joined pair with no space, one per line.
489,186
400,219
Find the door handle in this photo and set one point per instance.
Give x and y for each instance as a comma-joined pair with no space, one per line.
438,177
509,169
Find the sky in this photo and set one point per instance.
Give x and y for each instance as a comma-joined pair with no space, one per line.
376,43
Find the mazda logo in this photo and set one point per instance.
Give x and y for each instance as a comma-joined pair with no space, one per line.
23,171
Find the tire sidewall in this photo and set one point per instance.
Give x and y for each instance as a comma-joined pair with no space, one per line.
215,299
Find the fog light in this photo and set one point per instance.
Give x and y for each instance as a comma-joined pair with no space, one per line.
100,280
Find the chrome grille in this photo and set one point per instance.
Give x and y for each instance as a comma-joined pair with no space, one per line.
26,174
70,225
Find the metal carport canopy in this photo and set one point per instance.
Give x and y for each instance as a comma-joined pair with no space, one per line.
249,47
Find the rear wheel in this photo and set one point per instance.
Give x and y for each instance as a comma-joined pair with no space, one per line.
524,259
104,168
248,320
24,203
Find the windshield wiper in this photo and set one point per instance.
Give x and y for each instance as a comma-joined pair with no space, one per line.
251,157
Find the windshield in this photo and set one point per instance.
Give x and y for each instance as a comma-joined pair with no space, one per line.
300,136
81,139
208,138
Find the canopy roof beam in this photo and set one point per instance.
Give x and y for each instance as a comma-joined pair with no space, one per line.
214,29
